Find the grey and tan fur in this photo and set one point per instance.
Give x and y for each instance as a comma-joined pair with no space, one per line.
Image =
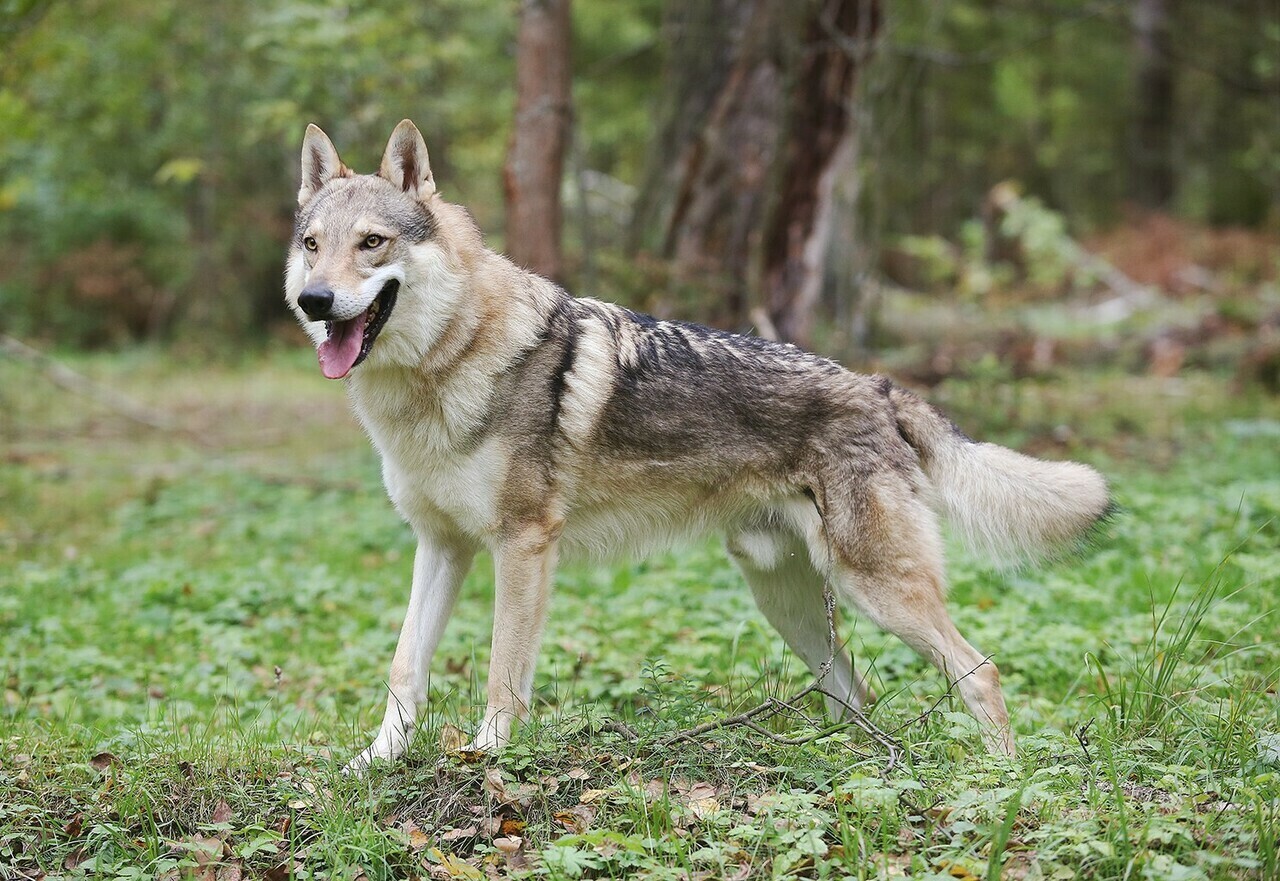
514,417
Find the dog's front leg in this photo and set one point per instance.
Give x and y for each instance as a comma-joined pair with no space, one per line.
438,570
525,564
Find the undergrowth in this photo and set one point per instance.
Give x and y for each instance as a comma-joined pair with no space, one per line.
193,642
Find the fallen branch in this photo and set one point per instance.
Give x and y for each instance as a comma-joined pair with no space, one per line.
946,694
771,707
63,376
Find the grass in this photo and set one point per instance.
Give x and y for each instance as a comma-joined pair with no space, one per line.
194,628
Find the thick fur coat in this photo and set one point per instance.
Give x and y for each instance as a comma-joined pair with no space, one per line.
513,417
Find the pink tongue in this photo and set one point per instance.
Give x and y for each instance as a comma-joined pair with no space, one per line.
339,352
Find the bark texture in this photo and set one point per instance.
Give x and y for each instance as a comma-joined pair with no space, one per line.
539,137
1151,173
754,128
818,144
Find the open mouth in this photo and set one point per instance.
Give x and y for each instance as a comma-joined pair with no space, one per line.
349,342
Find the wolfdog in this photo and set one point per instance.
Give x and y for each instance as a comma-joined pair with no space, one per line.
512,416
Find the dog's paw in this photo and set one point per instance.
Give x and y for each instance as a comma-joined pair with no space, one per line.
492,736
386,748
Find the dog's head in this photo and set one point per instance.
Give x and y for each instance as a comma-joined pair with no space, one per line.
372,275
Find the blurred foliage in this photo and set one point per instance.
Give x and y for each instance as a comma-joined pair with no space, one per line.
148,149
967,93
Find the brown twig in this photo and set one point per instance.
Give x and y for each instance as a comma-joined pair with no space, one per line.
772,706
62,375
946,694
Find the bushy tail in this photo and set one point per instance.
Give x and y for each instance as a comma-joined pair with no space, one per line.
1007,505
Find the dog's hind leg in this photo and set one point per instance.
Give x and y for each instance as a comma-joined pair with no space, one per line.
888,562
438,570
788,591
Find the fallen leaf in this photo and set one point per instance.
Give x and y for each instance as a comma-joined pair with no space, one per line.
511,827
417,838
702,800
464,832
73,827
102,761
590,795
74,859
229,872
519,795
452,739
221,812
955,870
278,872
452,866
576,819
703,807
578,774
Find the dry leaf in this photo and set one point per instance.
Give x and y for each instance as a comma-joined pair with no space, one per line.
452,739
578,774
520,795
511,827
278,872
447,865
955,870
74,859
464,832
102,761
73,827
701,799
221,812
229,872
417,838
590,795
703,807
577,819
494,784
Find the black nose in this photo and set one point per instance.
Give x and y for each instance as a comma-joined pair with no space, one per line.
316,302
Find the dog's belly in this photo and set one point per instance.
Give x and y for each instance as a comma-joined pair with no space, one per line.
634,524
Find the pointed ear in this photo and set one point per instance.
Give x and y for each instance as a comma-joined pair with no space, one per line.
320,163
405,162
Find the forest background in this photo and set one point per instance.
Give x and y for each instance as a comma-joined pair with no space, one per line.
1059,220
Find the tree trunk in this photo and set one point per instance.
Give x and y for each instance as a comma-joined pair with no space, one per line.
1151,178
539,137
721,199
738,194
702,39
819,137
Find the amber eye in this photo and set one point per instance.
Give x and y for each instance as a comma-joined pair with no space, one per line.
372,241
310,243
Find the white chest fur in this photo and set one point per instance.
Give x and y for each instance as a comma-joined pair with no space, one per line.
430,467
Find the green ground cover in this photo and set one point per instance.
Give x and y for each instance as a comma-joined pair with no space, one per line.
194,627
